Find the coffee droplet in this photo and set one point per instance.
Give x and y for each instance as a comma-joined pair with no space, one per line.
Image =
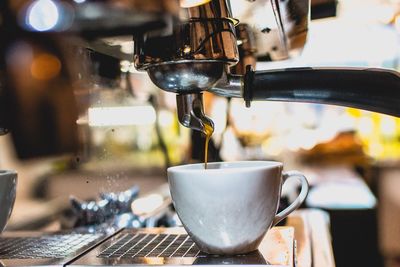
208,130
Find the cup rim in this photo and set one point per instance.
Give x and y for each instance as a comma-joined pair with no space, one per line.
5,172
254,165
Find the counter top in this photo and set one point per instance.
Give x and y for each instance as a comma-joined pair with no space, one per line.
312,234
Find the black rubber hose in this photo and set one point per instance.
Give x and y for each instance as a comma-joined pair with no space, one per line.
369,89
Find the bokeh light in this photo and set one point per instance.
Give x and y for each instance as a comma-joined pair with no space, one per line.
43,15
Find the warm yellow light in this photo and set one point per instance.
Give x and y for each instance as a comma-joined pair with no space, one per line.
193,3
45,67
154,260
397,22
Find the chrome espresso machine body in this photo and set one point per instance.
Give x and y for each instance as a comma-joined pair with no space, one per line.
199,53
186,47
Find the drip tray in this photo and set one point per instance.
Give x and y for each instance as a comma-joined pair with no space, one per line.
44,249
138,245
172,246
145,247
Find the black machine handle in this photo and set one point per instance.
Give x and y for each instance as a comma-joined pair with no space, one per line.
370,89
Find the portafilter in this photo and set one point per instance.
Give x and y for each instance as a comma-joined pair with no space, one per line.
197,55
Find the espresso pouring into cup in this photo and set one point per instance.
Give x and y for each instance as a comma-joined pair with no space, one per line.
229,207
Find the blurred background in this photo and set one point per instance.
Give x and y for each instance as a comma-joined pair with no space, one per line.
131,135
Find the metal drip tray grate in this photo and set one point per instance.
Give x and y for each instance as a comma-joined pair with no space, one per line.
131,245
173,247
44,247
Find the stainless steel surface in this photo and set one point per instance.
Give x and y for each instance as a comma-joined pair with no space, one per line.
200,39
136,245
280,27
191,113
247,48
214,9
229,85
172,247
292,18
246,38
191,57
276,249
44,249
175,61
186,76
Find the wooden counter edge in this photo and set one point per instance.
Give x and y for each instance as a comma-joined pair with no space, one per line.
314,242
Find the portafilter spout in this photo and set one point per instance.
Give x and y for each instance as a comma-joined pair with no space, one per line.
191,112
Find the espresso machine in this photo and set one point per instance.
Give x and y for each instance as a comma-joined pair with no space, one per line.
186,47
199,54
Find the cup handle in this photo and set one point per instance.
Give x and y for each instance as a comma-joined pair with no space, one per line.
298,201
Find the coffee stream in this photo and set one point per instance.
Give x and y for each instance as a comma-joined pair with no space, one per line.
208,130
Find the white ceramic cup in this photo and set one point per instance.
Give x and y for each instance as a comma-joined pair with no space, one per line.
8,187
228,207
